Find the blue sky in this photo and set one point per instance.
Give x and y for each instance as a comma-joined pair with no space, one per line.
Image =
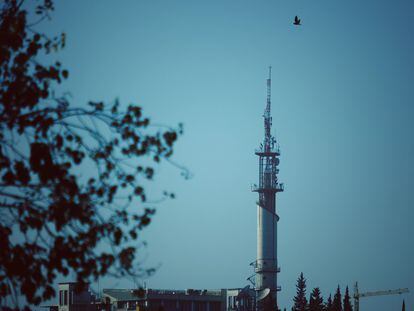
342,111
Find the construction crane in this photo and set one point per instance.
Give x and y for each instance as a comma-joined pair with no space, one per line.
358,295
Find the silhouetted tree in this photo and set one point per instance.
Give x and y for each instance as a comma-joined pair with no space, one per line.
316,300
328,305
71,177
300,301
347,301
403,305
337,301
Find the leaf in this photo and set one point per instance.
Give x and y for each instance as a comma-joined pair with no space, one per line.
65,74
22,173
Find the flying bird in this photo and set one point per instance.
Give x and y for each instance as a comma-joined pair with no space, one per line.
297,21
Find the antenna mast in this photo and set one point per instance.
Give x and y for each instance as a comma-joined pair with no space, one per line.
268,141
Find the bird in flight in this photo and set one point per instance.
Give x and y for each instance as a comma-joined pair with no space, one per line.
297,21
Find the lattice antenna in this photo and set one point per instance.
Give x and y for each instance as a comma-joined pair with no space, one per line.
268,141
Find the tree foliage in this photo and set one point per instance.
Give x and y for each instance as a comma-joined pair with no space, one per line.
328,305
72,178
347,301
300,301
316,300
337,302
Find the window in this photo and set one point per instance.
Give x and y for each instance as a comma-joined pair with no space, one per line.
65,297
60,297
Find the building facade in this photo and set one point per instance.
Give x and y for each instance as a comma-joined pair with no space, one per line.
71,299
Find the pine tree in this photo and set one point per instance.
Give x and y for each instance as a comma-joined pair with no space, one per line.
347,301
315,300
300,300
337,303
328,305
311,301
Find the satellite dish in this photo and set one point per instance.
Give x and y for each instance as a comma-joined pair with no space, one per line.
262,294
277,161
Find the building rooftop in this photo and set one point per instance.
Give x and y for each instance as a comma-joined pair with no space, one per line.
133,294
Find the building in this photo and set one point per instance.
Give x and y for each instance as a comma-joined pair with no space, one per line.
73,298
70,299
155,299
181,300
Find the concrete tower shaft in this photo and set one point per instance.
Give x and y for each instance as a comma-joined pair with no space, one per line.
266,265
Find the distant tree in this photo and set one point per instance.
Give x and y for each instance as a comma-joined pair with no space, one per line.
337,302
72,178
403,305
300,301
347,301
316,300
328,305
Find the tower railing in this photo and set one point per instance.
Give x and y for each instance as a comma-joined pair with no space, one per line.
279,187
260,266
274,150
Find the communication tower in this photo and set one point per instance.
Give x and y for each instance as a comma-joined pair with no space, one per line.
266,265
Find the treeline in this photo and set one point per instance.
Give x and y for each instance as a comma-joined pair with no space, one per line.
316,301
